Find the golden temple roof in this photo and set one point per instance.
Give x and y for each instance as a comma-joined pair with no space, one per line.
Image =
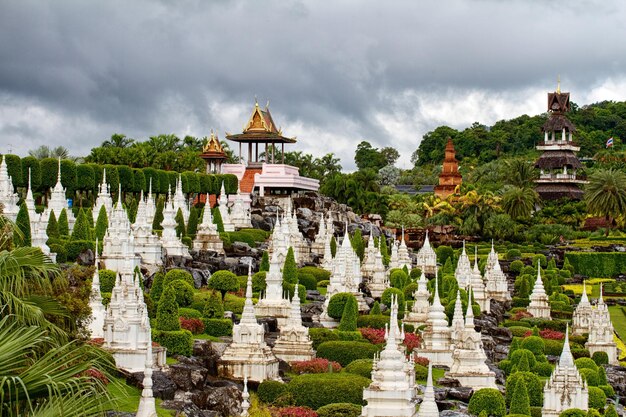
261,128
213,144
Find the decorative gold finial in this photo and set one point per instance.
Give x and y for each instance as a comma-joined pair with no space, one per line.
256,102
267,106
558,84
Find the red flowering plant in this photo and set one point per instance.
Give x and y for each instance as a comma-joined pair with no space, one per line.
411,341
96,341
292,411
96,374
195,326
521,315
314,366
551,334
375,336
420,360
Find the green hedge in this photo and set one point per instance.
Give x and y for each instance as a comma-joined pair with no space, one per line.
75,247
319,273
177,342
269,390
361,367
218,327
189,313
489,400
598,264
178,275
339,410
321,335
318,390
345,352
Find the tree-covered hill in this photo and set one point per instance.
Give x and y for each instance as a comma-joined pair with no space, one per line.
595,123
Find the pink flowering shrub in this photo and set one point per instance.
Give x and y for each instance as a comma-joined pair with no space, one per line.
420,360
521,315
411,341
292,411
551,334
374,336
96,374
195,326
314,366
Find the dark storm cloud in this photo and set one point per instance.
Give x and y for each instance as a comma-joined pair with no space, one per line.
147,67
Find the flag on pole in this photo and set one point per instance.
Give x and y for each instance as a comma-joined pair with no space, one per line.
609,142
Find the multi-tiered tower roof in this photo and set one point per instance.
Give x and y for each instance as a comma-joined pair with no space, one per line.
450,177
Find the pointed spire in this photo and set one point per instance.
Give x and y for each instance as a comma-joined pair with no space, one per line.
469,314
119,196
584,298
29,190
601,299
245,404
147,406
566,358
59,172
436,300
428,407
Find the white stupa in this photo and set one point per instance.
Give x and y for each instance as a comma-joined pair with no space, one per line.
207,236
428,406
394,260
565,389
392,392
426,257
240,212
419,312
463,272
98,312
103,199
147,244
317,246
379,280
248,355
224,212
539,305
171,243
147,405
274,302
496,286
458,322
404,259
179,201
8,198
478,286
58,202
294,343
369,260
118,245
581,320
601,332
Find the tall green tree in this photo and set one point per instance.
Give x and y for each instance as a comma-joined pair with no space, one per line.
167,310
180,224
605,194
102,223
52,229
519,202
265,262
290,269
158,216
81,230
520,403
64,227
23,225
192,225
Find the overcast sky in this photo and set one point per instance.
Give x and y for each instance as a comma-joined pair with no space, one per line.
336,72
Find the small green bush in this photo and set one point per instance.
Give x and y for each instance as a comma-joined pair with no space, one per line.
513,254
157,286
337,303
318,390
269,391
520,402
373,321
553,347
421,372
258,281
60,251
409,289
218,327
386,299
533,384
319,273
234,303
489,400
107,280
589,375
167,311
223,281
580,353
178,275
573,412
398,279
179,342
597,398
213,307
74,248
349,316
361,367
189,313
543,369
588,363
184,293
323,284
350,335
339,410
307,280
516,357
600,358
321,335
290,268
345,352
608,390
516,266
535,344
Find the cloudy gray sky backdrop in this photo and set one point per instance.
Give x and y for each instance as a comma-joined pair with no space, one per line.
335,72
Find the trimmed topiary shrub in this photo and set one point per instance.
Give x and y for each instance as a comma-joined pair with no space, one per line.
321,335
543,369
81,229
223,281
107,280
398,279
597,398
589,375
345,352
443,253
178,275
189,313
513,254
386,299
323,284
184,292
269,391
375,310
290,268
535,344
23,226
608,390
339,410
319,273
573,412
213,307
318,390
600,358
349,316
533,384
489,400
167,311
157,286
361,367
520,403
102,223
588,363
516,266
177,342
218,327
337,303
75,248
307,280
516,357
373,321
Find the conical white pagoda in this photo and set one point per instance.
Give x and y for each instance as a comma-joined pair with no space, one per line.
207,236
392,392
419,312
468,359
565,389
172,245
581,320
240,212
539,305
8,198
98,312
379,280
248,355
294,343
463,272
601,332
179,201
224,212
496,286
317,246
103,199
426,257
30,204
118,245
57,202
38,235
492,258
150,205
404,259
369,260
273,303
147,405
436,342
458,322
478,286
428,406
147,244
394,260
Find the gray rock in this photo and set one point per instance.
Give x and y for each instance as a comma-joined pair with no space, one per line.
188,409
448,382
461,393
86,258
188,376
162,386
241,248
224,400
616,377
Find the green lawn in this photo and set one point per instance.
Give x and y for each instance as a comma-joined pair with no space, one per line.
619,321
437,373
127,398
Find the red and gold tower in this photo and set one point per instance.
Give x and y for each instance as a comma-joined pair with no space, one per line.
450,176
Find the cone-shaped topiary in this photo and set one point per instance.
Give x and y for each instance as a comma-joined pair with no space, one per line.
158,216
213,308
384,250
23,225
102,223
375,311
217,219
610,410
223,281
157,286
180,224
265,262
64,227
192,225
52,230
167,311
349,316
81,230
520,403
523,365
290,269
333,246
358,244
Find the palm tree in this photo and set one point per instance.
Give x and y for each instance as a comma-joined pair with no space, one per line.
46,152
520,173
605,194
518,202
118,141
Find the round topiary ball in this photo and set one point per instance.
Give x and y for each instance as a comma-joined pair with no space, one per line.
489,400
